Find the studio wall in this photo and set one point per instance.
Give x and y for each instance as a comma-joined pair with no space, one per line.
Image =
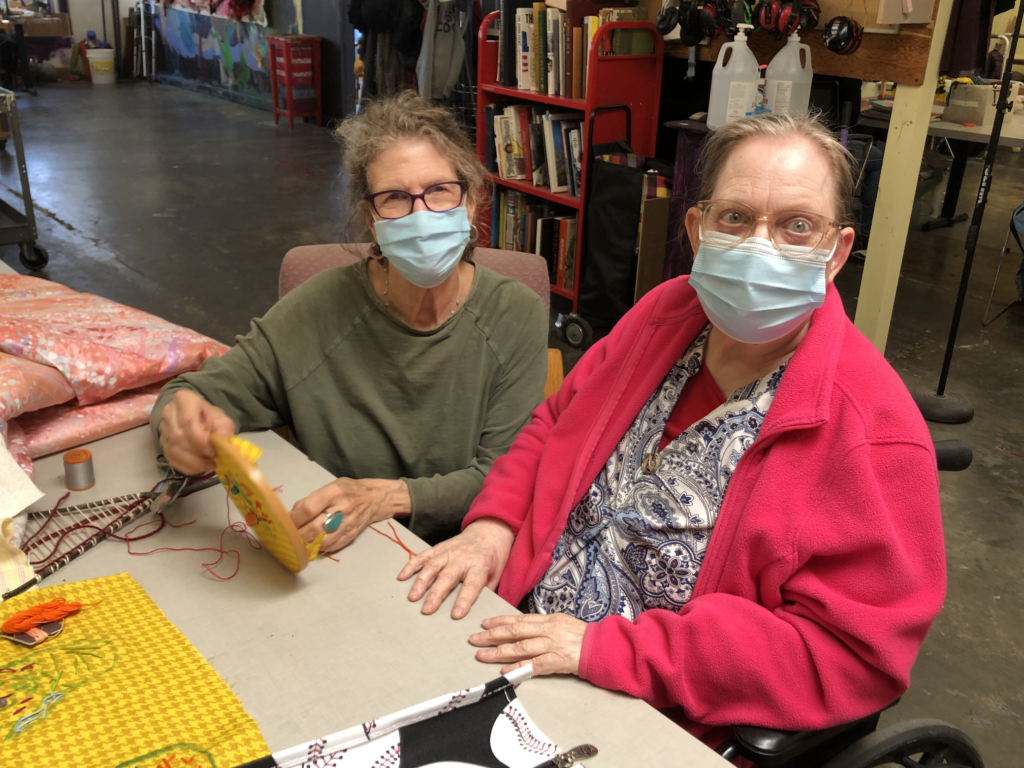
227,58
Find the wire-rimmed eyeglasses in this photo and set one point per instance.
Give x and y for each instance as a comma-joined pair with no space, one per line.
794,233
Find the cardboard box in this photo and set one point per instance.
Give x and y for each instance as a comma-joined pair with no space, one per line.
41,26
968,103
650,263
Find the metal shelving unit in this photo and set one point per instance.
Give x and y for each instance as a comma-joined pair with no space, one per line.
16,227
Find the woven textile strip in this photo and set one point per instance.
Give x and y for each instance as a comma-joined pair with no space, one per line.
119,686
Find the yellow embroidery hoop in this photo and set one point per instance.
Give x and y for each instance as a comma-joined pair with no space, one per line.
235,461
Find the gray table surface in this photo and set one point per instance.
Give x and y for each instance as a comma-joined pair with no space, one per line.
339,643
1012,134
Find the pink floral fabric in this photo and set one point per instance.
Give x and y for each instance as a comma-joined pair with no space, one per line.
65,426
14,437
100,347
27,386
75,367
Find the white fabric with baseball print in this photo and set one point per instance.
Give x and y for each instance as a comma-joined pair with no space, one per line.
637,539
482,727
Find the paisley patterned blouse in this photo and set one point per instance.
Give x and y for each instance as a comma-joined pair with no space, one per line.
637,538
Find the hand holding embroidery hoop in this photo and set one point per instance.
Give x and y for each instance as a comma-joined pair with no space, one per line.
235,461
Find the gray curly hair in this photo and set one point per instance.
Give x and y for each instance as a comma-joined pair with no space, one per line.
382,122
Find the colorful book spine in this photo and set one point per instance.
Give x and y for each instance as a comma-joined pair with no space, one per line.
523,20
510,221
540,39
490,155
523,122
563,45
576,62
502,203
576,152
540,165
552,50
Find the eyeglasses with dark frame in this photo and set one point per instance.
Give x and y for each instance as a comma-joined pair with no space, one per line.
794,233
397,203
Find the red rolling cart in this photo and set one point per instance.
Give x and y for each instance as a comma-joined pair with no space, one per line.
633,80
295,76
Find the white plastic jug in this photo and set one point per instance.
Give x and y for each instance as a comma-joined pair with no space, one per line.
734,82
788,79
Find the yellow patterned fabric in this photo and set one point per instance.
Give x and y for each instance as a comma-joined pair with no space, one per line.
272,529
120,686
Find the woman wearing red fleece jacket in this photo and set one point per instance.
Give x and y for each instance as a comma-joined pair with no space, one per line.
773,557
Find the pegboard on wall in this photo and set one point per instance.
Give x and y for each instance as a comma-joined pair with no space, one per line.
898,55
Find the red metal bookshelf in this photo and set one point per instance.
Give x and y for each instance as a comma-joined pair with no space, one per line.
634,80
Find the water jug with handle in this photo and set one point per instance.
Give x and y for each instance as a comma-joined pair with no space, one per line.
734,92
788,79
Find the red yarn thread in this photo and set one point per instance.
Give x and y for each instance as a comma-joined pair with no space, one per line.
237,527
396,540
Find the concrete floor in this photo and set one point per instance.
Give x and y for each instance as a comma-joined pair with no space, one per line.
183,206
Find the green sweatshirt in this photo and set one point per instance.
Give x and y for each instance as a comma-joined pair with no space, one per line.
369,397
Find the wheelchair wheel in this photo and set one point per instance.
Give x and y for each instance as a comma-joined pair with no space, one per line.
911,743
574,330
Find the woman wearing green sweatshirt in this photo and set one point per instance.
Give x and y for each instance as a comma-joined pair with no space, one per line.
406,374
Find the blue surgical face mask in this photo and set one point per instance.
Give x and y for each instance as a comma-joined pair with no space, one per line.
753,292
425,246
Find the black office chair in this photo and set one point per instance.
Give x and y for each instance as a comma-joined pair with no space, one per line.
910,744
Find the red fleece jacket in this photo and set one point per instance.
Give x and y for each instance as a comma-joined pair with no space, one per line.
826,564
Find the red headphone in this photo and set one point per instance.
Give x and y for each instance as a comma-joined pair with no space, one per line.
714,15
780,17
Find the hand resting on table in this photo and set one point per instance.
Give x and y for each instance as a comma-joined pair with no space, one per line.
551,644
476,558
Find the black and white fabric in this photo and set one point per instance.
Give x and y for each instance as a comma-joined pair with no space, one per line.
482,727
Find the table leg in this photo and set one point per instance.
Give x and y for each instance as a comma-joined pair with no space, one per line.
947,217
23,68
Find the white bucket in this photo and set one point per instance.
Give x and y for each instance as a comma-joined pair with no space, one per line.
101,65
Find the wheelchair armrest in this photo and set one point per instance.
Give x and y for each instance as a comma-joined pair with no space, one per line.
770,747
953,455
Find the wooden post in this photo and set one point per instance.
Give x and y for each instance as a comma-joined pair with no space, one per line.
904,146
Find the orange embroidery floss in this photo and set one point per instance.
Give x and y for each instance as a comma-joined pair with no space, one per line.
55,610
396,540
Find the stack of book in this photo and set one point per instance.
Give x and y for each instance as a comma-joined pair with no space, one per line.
528,142
545,47
521,222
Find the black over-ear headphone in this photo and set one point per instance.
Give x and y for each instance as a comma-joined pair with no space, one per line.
810,13
843,35
691,31
668,17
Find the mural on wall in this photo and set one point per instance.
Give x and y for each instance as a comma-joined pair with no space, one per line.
249,11
210,52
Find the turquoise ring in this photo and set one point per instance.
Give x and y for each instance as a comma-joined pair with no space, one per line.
333,522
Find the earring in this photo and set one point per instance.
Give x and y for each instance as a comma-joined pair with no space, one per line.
375,250
474,233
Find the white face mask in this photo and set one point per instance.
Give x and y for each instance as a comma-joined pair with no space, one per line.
755,293
425,246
